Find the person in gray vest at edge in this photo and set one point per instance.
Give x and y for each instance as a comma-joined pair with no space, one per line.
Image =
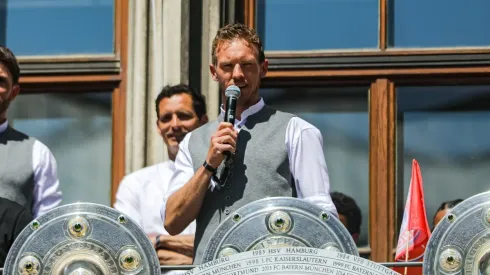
28,172
276,154
180,110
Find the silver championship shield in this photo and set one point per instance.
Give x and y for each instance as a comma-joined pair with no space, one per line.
278,222
291,260
460,244
82,239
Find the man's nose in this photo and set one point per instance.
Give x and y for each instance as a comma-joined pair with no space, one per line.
237,73
175,123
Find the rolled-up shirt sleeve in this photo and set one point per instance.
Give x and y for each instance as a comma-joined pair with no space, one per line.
307,164
184,170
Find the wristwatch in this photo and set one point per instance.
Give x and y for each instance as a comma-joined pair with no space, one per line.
209,167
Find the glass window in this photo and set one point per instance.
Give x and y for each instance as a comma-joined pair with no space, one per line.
439,23
446,129
31,27
289,25
77,128
342,117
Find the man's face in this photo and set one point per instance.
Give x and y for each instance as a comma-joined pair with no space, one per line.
176,118
344,221
238,64
8,91
439,216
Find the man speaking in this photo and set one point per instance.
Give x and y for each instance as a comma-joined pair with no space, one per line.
223,166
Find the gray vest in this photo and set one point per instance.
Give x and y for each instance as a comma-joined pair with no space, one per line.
16,167
261,169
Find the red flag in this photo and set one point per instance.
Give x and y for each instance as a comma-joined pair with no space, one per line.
414,231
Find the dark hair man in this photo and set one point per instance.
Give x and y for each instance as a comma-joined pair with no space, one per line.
179,110
349,213
28,172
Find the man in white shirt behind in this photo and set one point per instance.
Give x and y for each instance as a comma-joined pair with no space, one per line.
140,195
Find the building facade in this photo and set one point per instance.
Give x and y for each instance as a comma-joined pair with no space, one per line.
386,81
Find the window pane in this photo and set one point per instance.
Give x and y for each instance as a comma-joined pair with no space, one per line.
446,130
77,128
341,116
317,24
439,23
31,27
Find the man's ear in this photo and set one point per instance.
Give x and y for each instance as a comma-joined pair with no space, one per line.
264,68
158,129
15,91
355,236
204,119
214,75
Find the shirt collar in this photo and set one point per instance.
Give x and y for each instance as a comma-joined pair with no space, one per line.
4,126
246,113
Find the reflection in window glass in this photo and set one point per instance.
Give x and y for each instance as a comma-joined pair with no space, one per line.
77,128
32,27
439,23
446,129
317,24
341,116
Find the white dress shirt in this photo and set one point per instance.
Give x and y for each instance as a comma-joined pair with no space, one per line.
304,143
140,195
47,193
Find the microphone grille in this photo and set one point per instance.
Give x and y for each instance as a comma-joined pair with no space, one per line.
232,90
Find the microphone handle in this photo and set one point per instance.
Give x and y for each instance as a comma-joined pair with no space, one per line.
230,109
230,115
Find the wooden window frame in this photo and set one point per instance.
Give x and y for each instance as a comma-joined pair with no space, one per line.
382,70
89,74
248,17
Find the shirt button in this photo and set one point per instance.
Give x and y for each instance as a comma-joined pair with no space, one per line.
227,198
227,211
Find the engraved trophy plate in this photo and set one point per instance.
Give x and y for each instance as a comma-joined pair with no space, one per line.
291,260
278,222
82,238
460,244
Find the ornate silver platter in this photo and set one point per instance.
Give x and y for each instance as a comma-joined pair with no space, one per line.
278,222
460,244
82,238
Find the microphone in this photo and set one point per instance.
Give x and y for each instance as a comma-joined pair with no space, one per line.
232,94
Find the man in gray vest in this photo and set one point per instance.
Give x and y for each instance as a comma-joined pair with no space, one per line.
27,168
274,153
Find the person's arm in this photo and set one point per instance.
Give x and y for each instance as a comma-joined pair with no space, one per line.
183,244
47,193
183,206
185,200
307,164
168,257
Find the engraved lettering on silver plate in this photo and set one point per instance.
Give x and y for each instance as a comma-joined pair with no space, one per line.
291,260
